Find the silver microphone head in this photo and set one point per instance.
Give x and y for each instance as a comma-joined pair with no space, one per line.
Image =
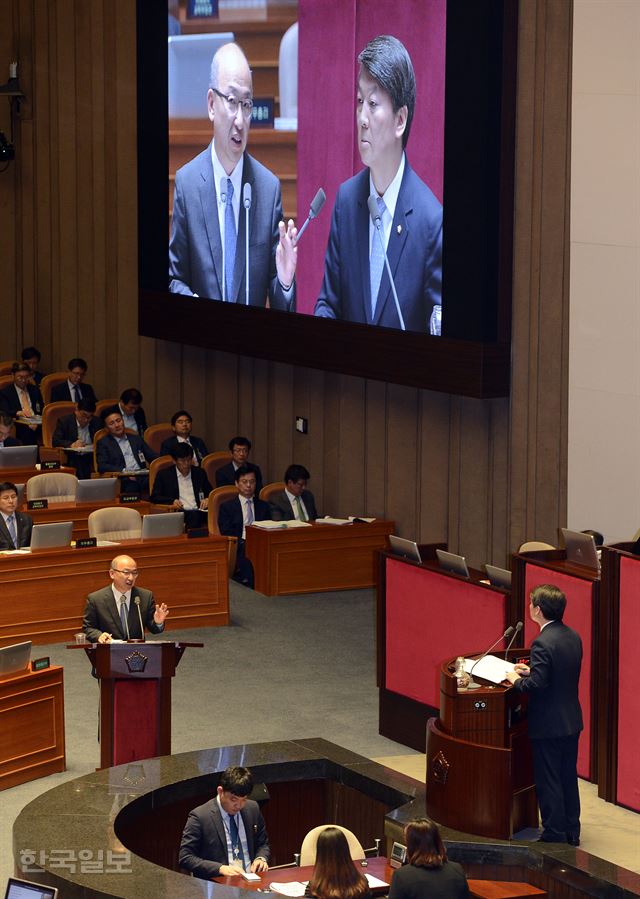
223,190
137,600
246,195
374,212
317,203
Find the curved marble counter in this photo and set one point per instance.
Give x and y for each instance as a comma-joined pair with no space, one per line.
73,836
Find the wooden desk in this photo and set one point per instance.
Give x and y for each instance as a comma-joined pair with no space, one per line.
320,557
379,867
22,475
44,592
31,726
79,513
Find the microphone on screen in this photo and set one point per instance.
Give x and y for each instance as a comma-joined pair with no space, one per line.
246,201
137,602
316,205
223,200
374,212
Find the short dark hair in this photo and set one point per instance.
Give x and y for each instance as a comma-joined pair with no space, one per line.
77,362
86,405
597,536
296,473
30,352
387,61
131,395
550,600
8,487
237,780
181,413
110,410
424,844
244,470
239,441
19,366
6,420
181,451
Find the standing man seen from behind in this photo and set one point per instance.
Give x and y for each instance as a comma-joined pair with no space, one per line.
295,501
554,714
208,222
356,285
122,611
15,527
227,834
235,515
239,447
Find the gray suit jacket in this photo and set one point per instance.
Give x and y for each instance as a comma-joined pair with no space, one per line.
24,526
281,507
195,247
203,847
101,615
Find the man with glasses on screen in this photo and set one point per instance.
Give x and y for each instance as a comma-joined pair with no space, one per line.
207,245
356,285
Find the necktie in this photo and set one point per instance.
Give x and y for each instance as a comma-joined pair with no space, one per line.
301,515
76,393
229,242
236,845
25,403
250,517
376,261
11,524
123,616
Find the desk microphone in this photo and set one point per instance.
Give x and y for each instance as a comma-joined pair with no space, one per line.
374,212
473,685
137,602
223,200
519,627
246,200
316,205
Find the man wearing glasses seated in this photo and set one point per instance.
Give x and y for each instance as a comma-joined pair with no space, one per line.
207,244
122,611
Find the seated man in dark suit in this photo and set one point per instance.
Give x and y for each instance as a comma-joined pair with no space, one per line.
131,410
31,356
119,451
219,842
295,501
15,527
181,422
236,514
76,431
183,486
6,423
74,389
21,400
240,447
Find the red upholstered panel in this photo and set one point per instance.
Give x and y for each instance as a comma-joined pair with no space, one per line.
431,616
331,35
135,727
628,787
579,616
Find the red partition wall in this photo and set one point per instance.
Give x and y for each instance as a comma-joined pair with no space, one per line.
628,775
580,616
431,615
331,34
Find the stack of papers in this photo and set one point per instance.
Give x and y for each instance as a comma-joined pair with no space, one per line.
490,668
280,525
328,520
295,888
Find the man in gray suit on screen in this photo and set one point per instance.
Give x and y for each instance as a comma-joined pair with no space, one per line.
207,256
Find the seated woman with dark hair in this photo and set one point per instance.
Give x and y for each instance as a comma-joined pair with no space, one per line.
428,871
334,874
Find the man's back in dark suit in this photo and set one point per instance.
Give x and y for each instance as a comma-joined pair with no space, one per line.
62,394
282,510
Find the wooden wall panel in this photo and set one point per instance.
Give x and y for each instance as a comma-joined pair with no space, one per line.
481,475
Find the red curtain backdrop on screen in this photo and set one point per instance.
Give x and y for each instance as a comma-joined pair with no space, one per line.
331,34
628,792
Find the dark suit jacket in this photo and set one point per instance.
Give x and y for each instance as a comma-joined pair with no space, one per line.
61,393
24,526
66,431
203,847
195,247
141,420
109,455
165,486
552,687
10,403
226,475
199,447
101,615
230,516
415,257
281,507
412,882
11,441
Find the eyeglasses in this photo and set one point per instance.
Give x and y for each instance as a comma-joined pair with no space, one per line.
232,104
127,571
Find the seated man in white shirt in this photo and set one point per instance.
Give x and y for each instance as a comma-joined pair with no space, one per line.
295,501
120,452
184,486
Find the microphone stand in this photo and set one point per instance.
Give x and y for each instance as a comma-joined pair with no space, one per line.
223,199
472,684
375,215
246,199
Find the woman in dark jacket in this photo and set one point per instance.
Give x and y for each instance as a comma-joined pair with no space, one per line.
334,874
427,872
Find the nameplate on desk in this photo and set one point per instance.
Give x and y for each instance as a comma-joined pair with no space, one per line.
33,504
40,664
129,498
50,466
86,542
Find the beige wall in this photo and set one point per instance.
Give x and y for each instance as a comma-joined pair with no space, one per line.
482,475
604,393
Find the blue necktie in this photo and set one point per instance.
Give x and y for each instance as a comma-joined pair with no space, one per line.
235,840
229,242
250,516
376,261
123,616
11,524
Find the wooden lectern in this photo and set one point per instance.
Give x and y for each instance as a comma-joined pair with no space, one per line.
135,697
479,765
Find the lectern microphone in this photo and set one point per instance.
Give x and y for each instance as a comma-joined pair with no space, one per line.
473,685
519,627
137,602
